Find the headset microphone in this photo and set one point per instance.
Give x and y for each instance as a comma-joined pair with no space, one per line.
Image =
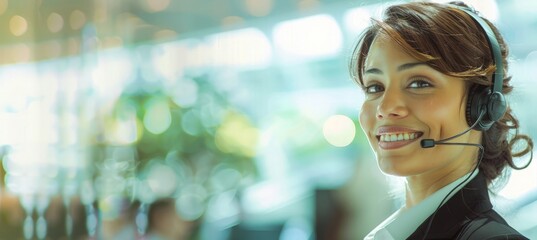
429,143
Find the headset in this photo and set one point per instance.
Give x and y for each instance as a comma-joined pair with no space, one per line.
485,106
483,98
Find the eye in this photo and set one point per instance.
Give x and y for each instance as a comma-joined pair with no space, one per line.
373,88
419,84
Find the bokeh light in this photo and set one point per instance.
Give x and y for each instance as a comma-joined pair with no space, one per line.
3,6
162,180
18,25
77,19
157,5
339,130
237,135
55,22
186,93
259,8
125,128
190,203
191,122
157,118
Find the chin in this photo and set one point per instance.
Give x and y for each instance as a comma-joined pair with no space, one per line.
397,169
393,173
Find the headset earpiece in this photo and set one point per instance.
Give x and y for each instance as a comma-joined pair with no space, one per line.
480,99
497,106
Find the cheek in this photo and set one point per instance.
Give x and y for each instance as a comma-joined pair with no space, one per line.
433,108
442,114
367,117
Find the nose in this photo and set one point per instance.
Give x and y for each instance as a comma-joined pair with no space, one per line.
392,105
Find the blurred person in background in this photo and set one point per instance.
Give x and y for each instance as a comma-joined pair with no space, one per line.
117,218
166,224
434,78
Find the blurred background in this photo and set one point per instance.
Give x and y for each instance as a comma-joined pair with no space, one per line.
207,119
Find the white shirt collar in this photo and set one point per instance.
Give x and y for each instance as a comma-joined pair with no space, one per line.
402,223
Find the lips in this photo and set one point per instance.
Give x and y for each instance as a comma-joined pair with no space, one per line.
396,137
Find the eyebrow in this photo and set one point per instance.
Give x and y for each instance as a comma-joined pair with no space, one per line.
400,68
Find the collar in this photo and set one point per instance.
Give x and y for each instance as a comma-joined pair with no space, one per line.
403,222
471,201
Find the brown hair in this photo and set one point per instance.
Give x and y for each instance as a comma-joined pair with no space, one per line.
449,40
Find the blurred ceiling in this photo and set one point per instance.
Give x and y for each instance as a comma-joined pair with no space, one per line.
41,29
52,28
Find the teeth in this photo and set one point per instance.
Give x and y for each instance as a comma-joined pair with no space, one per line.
397,137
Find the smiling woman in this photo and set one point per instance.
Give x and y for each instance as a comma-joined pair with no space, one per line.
406,97
438,71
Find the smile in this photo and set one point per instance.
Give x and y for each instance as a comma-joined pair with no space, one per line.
398,137
397,140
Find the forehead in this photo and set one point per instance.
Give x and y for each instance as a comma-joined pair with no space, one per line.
384,50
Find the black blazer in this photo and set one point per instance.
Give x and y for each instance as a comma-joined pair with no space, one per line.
468,215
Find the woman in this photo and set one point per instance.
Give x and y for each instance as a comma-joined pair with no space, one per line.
429,74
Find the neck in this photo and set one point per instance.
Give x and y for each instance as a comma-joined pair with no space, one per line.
420,187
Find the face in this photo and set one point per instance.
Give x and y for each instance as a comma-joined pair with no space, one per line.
407,101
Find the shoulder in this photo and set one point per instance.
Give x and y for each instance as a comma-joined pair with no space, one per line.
488,227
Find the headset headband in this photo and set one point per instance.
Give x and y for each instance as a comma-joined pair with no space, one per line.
497,78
